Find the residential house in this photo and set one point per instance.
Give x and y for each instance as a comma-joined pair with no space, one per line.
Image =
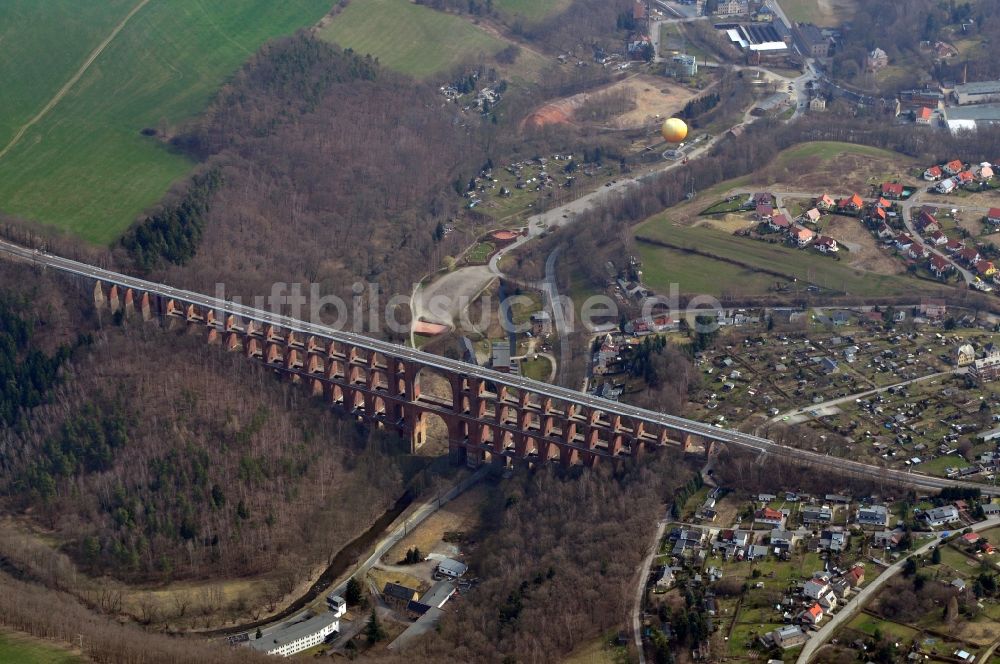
953,167
766,497
813,615
945,186
993,216
851,204
783,539
878,214
833,540
398,596
903,242
789,636
917,251
828,601
893,190
816,587
985,172
923,116
937,238
802,236
952,246
884,232
887,539
985,268
764,212
933,308
933,173
817,514
939,265
970,256
877,59
926,222
825,202
294,637
780,222
769,516
965,178
883,203
817,104
939,516
763,198
826,244
856,575
813,215
873,515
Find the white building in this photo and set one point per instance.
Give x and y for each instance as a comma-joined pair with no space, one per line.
939,516
290,638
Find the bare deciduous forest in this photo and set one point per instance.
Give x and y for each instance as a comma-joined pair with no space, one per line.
158,457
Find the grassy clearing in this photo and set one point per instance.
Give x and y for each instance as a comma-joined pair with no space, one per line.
826,150
537,369
409,38
868,624
825,13
597,651
85,167
23,649
695,274
531,11
707,275
480,253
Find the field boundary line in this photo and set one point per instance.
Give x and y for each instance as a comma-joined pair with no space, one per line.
57,97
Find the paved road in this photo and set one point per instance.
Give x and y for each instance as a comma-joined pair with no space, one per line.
678,425
641,588
907,212
861,599
858,395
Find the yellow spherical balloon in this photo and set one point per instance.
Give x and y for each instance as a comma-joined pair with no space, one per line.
674,130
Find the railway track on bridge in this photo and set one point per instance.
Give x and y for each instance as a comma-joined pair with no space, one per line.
702,431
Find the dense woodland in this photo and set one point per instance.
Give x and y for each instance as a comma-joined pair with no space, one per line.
333,171
144,468
905,32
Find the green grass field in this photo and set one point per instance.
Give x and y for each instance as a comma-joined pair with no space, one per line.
480,253
84,167
825,14
806,266
695,274
531,11
26,650
825,150
32,70
409,38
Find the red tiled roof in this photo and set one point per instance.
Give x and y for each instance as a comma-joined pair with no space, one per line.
938,263
924,113
781,221
815,611
935,171
966,176
954,165
994,213
768,513
892,188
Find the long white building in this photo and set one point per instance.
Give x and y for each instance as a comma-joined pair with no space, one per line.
290,638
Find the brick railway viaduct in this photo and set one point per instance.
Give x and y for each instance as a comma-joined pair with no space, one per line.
489,416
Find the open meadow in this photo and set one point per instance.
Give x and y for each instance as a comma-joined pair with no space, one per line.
85,166
824,13
409,38
24,649
531,11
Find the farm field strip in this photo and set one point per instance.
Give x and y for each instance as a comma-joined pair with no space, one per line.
84,167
